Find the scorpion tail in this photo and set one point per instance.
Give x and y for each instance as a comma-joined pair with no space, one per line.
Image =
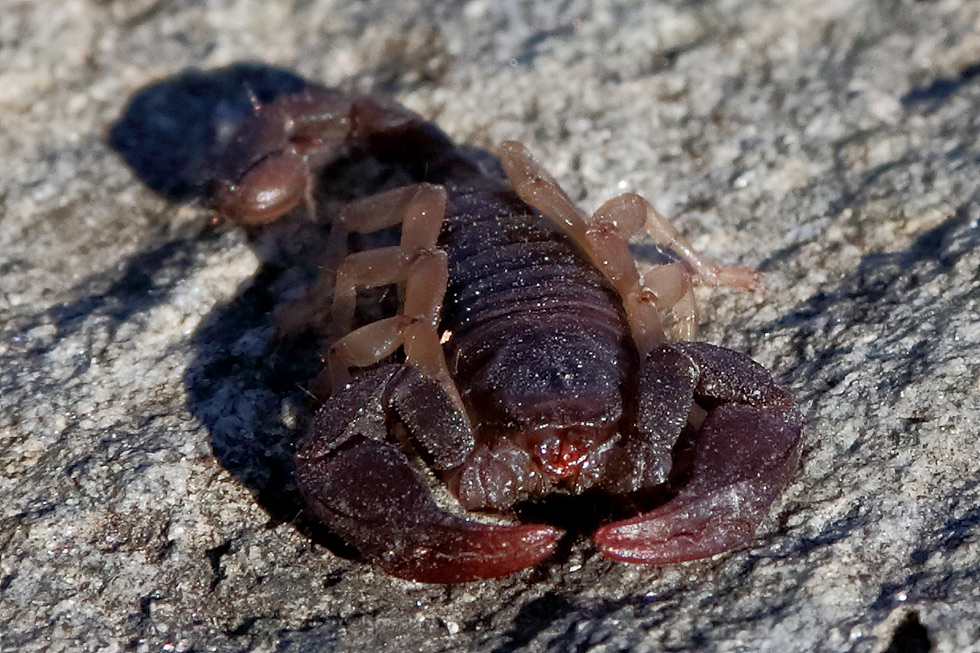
744,454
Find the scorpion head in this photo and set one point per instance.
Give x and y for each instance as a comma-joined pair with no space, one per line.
558,395
561,451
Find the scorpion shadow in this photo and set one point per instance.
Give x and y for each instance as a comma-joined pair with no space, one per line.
245,382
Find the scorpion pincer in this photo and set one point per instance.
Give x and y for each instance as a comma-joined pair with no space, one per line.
529,356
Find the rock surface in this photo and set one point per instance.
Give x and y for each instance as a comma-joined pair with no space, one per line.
146,418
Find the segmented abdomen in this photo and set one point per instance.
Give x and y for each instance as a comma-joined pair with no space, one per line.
531,319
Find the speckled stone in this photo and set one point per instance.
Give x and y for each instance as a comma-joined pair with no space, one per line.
147,413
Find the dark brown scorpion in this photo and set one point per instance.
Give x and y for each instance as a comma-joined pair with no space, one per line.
529,356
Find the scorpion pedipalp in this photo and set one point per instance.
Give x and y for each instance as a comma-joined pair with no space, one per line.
364,488
743,455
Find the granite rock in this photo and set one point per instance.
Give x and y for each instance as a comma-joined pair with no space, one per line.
147,413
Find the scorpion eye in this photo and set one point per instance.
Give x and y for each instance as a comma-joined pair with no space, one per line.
267,191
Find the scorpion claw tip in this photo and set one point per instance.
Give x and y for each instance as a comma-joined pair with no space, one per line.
466,551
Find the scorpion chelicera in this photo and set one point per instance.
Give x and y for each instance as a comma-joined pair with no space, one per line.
528,357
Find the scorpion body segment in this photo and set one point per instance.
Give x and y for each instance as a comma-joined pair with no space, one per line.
540,349
529,356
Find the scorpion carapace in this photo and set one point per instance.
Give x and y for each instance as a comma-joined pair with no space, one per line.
528,357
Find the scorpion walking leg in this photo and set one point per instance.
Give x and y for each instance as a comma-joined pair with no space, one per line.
362,485
671,282
745,451
605,237
323,309
420,210
415,262
605,241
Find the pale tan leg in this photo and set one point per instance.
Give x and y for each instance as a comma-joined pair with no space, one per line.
416,264
539,189
424,273
673,288
424,291
368,269
331,304
419,208
670,282
710,272
365,346
605,237
685,314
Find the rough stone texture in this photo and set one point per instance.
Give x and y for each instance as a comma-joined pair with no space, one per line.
147,502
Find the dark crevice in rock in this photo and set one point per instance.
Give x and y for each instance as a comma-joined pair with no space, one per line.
953,534
570,625
535,617
910,637
142,621
318,633
243,628
214,556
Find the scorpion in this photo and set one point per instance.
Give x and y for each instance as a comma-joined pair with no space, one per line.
528,357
